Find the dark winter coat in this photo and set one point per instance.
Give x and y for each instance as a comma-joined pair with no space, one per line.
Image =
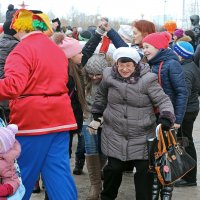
128,115
76,106
90,47
116,39
197,56
192,77
172,80
7,44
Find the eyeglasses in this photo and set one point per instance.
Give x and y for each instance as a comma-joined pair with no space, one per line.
95,75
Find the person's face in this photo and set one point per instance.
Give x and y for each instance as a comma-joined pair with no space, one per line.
175,37
137,36
77,58
149,50
125,69
95,78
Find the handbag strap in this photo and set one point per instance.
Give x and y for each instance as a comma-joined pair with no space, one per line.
161,142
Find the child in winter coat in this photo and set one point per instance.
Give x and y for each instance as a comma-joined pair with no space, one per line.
9,151
165,63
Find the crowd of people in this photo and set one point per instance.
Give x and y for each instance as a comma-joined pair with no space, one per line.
110,88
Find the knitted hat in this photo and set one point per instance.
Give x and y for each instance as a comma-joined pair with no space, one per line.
70,46
159,40
178,33
126,31
184,49
84,36
7,137
96,64
126,52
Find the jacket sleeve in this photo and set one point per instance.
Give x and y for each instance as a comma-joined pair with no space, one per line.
160,99
177,80
90,47
197,56
101,95
116,39
16,76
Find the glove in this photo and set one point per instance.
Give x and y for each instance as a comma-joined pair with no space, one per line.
94,125
165,124
103,22
6,190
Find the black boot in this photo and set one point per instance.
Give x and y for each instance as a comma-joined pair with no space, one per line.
166,192
78,169
152,147
155,187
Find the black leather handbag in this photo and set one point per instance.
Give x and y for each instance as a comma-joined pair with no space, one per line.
171,160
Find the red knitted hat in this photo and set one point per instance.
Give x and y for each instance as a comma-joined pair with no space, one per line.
158,40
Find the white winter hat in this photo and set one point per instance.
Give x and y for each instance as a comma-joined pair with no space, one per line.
126,52
126,31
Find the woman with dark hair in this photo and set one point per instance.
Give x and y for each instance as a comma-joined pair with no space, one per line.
124,104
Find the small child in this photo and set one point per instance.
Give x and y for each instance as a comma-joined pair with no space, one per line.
9,151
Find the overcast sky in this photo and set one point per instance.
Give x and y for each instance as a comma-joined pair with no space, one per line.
129,9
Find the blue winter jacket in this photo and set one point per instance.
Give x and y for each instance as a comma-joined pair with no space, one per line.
172,80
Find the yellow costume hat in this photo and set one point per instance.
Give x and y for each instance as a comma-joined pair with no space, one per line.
43,17
22,21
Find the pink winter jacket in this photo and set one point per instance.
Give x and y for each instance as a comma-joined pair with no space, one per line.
7,168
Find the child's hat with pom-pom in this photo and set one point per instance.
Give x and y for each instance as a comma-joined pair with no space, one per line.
7,137
70,46
159,40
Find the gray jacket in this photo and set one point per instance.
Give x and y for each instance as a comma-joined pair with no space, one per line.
127,110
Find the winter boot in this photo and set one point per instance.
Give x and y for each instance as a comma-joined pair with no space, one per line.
166,193
79,163
151,146
155,187
94,171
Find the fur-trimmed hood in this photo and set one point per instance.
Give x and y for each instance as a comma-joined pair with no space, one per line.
185,39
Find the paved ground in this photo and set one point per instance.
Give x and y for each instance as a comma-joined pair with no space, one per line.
127,188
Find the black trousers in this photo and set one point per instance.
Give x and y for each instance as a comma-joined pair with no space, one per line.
113,177
186,130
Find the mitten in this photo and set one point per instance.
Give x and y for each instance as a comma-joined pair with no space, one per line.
6,190
165,124
94,125
100,29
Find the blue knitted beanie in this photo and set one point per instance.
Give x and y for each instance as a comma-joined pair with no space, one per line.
184,49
